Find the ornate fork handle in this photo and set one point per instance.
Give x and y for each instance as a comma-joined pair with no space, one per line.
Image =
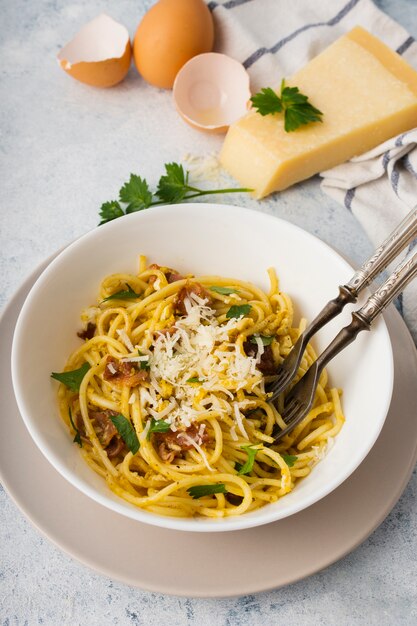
403,234
363,317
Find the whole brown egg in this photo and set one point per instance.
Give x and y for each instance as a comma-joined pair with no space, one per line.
171,33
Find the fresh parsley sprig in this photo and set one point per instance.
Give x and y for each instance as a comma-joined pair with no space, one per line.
290,459
173,187
77,438
238,310
295,105
125,294
247,467
72,379
158,426
224,291
199,491
126,431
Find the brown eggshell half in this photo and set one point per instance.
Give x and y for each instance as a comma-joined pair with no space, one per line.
100,53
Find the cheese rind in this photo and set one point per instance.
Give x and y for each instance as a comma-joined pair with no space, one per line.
367,94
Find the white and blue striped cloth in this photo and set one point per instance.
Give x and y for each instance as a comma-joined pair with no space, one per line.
274,38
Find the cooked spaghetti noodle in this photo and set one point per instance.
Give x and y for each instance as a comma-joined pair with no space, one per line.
171,409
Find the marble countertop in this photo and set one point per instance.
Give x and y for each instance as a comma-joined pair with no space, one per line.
66,149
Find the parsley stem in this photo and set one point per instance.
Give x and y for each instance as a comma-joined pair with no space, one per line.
202,192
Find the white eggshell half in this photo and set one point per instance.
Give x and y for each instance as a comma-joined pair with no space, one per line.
211,91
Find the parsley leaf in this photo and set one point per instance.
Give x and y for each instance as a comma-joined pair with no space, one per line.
247,467
267,101
298,110
77,438
158,426
290,459
238,310
173,186
109,211
123,295
126,431
266,339
199,491
195,379
136,194
144,365
224,291
72,379
295,105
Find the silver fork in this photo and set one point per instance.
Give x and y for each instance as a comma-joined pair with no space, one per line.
300,399
405,232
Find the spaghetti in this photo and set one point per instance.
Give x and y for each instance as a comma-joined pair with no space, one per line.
169,403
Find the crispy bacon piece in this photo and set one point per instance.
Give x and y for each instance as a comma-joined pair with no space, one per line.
124,372
171,445
267,364
87,333
171,275
105,429
185,292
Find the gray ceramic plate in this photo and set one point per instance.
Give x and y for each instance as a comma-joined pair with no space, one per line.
211,564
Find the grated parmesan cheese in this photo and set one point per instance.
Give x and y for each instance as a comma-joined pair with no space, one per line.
124,337
200,348
111,368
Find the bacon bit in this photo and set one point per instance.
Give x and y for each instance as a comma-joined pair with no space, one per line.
185,292
267,364
171,445
104,427
171,275
233,498
166,332
105,430
123,373
87,333
115,447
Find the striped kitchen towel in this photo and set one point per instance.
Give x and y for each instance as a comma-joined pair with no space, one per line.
273,39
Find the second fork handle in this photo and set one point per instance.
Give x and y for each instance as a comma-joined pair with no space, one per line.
402,235
376,303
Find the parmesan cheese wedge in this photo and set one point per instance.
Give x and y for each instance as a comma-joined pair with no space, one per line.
367,94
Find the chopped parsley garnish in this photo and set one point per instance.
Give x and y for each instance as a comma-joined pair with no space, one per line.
295,106
172,188
123,295
195,379
144,365
247,467
126,431
72,379
290,459
158,426
224,291
77,438
266,339
199,491
238,310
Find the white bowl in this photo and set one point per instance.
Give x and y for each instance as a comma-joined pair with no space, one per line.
202,239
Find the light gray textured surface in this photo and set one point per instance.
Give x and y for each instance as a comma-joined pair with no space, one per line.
66,149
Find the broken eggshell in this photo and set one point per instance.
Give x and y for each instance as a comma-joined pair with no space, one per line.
211,91
99,54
